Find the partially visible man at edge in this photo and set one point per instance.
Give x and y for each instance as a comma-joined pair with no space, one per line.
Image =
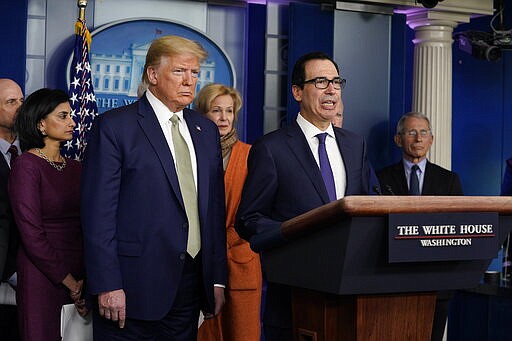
11,98
304,165
337,120
414,137
153,203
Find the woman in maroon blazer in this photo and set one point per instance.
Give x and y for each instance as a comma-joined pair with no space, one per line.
44,193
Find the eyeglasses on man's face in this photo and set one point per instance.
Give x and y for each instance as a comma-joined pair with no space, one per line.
322,82
415,133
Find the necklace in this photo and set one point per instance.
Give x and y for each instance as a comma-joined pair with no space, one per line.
54,165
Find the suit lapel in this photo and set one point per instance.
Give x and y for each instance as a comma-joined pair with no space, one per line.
399,179
346,157
300,148
153,131
429,180
4,170
202,157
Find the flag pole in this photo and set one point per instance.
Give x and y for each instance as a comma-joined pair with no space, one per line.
82,4
81,92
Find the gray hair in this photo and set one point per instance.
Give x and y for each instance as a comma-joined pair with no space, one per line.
401,122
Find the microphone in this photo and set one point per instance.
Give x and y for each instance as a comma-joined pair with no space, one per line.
390,190
377,190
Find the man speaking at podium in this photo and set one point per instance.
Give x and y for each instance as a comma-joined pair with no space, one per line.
297,168
415,175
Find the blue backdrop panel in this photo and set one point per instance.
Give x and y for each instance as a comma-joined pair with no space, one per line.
507,108
478,100
507,91
362,50
311,29
255,72
13,16
402,56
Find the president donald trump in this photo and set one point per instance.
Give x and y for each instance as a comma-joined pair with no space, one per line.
153,206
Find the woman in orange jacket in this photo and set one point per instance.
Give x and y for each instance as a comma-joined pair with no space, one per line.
240,317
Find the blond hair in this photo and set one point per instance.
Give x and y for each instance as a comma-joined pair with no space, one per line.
171,46
204,99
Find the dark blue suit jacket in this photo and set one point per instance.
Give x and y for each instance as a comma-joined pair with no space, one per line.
283,182
134,221
9,236
436,181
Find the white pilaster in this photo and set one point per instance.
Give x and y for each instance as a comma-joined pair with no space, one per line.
432,76
432,85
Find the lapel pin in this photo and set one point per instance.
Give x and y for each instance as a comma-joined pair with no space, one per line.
198,128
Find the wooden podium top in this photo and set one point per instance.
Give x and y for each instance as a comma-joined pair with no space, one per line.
373,205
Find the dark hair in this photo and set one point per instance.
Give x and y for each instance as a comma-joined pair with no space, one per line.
35,108
299,69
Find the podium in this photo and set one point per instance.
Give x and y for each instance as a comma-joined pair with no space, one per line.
344,288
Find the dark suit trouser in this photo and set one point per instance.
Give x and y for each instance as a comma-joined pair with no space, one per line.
8,323
180,323
273,333
277,317
440,315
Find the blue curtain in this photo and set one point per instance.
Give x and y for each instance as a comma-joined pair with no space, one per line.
13,40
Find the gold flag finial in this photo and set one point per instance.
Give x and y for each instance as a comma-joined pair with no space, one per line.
80,27
82,4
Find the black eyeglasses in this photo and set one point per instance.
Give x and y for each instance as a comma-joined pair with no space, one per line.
322,82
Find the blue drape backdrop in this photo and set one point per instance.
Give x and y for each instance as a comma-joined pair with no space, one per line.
13,40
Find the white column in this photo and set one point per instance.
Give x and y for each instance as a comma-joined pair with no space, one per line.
432,75
432,83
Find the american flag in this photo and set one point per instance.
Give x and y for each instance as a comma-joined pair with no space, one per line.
81,93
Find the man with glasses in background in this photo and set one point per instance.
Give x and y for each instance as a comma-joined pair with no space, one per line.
304,165
415,175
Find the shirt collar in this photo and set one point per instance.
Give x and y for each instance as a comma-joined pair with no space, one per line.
310,130
163,114
4,145
408,165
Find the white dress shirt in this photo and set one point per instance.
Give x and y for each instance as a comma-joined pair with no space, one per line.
163,114
333,152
